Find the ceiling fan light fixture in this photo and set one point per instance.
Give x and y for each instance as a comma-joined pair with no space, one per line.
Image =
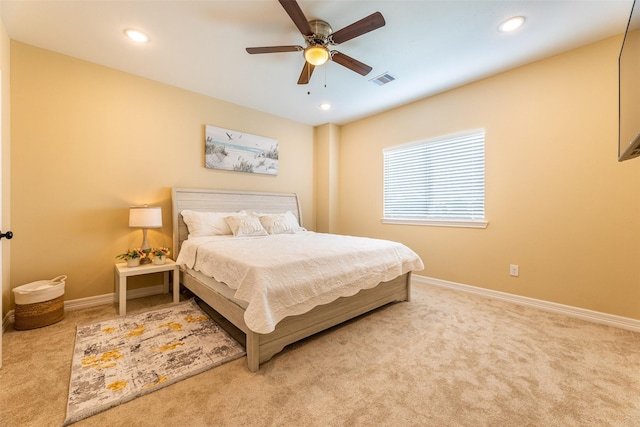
316,55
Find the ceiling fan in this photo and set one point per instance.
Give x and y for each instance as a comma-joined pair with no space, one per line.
318,35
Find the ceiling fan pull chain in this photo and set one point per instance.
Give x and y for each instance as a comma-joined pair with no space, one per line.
325,77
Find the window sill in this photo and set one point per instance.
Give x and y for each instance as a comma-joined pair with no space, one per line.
438,222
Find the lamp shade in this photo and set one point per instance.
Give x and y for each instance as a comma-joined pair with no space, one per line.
145,217
316,55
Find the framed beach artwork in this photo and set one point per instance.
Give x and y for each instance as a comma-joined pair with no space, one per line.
241,152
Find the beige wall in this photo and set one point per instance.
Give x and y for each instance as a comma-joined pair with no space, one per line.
5,155
327,139
558,203
89,141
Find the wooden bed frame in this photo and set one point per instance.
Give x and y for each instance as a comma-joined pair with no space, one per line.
262,347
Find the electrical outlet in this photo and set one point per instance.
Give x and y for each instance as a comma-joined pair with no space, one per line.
514,270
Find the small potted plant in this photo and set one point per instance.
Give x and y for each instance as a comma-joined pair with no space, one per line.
160,255
132,257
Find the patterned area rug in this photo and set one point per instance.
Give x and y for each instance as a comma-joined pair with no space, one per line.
119,359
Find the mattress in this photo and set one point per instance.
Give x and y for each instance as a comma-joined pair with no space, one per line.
289,274
213,284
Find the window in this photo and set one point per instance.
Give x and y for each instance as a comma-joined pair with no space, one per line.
436,182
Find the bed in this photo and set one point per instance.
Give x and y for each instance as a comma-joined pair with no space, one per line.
268,334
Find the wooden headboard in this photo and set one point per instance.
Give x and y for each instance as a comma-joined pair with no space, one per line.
207,200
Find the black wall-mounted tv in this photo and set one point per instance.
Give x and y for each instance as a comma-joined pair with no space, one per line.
629,89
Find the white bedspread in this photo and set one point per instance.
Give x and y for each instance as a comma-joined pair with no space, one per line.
288,274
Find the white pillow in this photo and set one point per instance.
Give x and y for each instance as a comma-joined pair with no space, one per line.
280,223
207,223
245,226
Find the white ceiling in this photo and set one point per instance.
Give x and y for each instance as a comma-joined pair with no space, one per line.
429,46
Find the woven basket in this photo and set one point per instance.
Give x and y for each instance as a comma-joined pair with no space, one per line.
39,314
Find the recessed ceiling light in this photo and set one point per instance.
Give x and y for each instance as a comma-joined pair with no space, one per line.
511,24
325,106
137,36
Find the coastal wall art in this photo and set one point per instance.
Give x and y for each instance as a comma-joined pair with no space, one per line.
240,152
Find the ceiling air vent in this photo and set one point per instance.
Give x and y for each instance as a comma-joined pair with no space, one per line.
383,79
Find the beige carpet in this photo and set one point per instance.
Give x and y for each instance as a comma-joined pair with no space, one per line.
443,359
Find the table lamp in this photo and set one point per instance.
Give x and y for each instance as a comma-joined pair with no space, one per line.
145,217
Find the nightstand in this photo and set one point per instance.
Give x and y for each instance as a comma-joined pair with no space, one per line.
122,272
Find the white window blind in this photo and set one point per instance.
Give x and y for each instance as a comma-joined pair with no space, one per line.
440,179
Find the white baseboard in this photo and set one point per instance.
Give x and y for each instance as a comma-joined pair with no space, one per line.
567,310
6,320
81,303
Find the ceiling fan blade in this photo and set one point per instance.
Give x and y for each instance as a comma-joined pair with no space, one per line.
350,63
297,16
305,76
274,49
363,26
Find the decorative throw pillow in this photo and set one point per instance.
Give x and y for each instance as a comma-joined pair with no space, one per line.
207,223
245,226
280,223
